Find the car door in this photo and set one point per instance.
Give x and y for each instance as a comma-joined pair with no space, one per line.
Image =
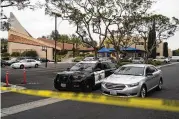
156,76
27,63
99,74
149,78
33,62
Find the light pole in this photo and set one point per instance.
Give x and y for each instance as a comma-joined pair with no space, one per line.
55,38
44,48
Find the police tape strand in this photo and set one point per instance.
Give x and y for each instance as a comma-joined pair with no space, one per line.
156,104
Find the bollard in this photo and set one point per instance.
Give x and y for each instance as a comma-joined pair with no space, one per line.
7,79
24,81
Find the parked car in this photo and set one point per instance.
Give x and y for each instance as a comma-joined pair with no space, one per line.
43,60
84,75
133,80
11,61
88,58
3,63
175,58
27,63
162,59
138,60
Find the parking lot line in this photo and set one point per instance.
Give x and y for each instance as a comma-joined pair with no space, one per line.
27,106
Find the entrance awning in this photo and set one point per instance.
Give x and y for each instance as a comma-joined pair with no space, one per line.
104,50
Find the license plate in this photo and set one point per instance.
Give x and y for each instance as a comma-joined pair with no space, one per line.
113,92
63,85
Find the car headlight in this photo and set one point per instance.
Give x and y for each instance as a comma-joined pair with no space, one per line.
133,85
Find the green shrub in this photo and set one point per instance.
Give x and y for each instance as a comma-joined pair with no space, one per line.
62,52
90,55
31,53
5,58
15,54
78,59
155,63
5,54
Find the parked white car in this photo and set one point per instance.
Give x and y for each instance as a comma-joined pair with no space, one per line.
162,59
27,63
175,58
138,60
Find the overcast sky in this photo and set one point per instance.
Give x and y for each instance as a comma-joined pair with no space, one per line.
39,24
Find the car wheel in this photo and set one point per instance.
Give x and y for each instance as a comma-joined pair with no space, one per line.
36,66
56,85
3,65
21,66
159,87
143,92
87,86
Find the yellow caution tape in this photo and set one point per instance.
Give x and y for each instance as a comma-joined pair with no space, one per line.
156,104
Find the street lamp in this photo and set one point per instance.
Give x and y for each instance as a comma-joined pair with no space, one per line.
44,48
56,15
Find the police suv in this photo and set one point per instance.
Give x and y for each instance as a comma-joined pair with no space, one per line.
84,75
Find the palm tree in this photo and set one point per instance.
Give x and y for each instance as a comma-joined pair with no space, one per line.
75,41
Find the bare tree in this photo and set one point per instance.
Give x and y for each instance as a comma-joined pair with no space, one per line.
84,14
119,18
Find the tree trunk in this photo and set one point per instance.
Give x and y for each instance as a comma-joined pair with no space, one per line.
63,44
73,50
117,54
95,53
146,51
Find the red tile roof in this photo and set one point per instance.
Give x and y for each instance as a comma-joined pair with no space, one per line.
18,39
44,42
67,46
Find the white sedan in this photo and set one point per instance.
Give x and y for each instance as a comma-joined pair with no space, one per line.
27,63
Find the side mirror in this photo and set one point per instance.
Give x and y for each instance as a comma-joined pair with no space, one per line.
68,69
149,74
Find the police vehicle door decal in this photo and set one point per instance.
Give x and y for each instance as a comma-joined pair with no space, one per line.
99,76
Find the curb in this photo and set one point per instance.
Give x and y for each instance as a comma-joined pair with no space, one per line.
167,65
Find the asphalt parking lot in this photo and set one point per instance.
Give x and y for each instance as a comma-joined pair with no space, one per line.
42,79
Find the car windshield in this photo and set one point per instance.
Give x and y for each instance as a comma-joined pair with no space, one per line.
130,70
83,66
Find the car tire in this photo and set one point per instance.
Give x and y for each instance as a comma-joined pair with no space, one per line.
159,87
3,65
56,85
21,66
36,65
87,86
143,91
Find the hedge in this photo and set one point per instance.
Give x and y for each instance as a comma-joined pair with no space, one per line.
78,59
31,53
15,54
155,63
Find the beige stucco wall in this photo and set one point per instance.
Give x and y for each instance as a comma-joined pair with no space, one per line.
170,52
17,47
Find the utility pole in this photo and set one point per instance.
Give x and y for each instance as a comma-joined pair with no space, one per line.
55,39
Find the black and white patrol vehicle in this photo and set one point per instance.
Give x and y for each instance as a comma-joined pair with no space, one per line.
84,75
